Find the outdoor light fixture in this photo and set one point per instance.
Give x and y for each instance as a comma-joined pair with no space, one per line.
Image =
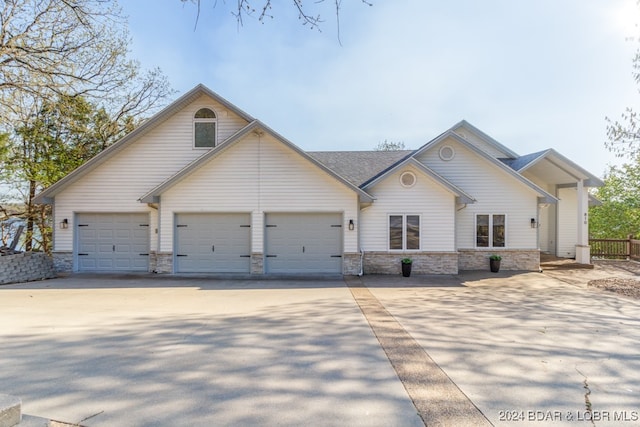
64,223
533,223
351,225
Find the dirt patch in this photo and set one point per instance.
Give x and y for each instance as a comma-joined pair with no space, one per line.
624,286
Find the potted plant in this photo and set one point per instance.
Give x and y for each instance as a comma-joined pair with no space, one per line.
494,263
406,266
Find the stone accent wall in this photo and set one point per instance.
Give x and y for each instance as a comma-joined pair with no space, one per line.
257,263
164,262
25,267
351,264
512,259
153,261
423,263
63,262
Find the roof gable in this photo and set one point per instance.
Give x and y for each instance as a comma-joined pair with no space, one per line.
137,133
254,126
461,195
481,140
546,197
559,162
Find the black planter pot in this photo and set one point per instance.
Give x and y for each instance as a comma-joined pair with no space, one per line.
406,269
495,265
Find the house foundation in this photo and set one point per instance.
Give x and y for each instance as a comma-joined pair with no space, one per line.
62,261
423,262
512,259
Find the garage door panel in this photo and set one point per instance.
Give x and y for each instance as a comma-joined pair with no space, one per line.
112,242
213,243
303,243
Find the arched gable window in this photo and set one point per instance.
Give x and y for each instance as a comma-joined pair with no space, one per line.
204,128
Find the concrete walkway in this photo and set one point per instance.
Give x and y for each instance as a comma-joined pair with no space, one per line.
438,400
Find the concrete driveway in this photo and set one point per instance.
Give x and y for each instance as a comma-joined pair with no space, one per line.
526,349
159,351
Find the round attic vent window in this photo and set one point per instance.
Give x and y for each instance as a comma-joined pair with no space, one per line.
408,179
447,153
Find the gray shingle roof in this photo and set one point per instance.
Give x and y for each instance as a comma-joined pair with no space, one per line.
522,161
359,167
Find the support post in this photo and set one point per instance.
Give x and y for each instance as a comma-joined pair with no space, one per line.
583,250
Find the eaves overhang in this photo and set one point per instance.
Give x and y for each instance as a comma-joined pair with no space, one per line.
565,165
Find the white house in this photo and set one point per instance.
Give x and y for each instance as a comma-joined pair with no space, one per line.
204,187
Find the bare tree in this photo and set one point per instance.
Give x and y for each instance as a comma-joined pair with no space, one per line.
71,47
67,91
262,9
390,146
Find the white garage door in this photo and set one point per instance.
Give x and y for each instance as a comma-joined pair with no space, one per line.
303,243
213,243
112,242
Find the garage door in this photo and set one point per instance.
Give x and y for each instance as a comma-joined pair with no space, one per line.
303,243
213,243
112,242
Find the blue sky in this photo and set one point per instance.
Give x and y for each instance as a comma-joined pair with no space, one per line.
532,74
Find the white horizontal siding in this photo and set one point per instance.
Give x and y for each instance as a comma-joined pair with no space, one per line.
496,192
434,204
567,222
117,184
259,175
480,143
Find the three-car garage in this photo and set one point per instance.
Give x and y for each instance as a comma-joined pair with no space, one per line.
294,243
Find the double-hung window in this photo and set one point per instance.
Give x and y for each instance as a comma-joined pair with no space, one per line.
490,231
404,232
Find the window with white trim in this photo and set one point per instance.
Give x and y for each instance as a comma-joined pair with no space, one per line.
491,230
404,232
204,128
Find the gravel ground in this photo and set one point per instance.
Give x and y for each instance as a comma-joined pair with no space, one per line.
625,280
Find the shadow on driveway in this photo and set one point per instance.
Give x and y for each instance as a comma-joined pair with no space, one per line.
287,355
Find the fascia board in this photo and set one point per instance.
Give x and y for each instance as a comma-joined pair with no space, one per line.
224,102
488,139
590,181
145,127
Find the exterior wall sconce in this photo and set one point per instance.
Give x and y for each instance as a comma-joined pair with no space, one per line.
351,225
64,224
533,223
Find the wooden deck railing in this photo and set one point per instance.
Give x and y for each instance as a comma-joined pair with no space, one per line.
615,248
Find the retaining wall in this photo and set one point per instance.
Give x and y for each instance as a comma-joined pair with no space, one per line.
25,267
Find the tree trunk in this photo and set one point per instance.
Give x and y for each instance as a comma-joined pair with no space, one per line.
28,242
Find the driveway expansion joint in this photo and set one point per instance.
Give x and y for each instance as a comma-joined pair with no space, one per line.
437,398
